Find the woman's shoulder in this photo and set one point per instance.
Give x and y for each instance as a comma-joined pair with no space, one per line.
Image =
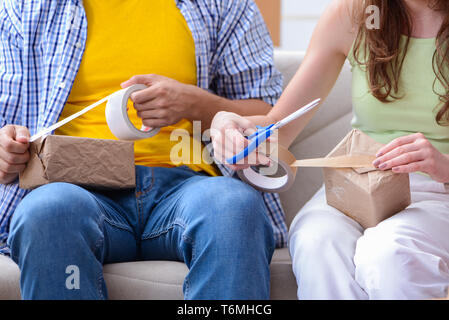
339,23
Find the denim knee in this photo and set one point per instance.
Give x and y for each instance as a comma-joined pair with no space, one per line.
52,212
234,211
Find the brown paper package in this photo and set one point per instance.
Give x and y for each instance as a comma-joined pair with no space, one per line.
95,163
367,196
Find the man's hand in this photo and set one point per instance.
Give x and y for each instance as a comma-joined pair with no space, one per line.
14,144
414,153
165,102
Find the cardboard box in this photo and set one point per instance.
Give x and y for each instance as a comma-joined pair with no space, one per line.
368,196
94,163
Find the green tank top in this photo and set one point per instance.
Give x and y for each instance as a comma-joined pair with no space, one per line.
417,108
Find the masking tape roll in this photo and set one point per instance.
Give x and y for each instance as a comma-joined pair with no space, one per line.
284,159
118,120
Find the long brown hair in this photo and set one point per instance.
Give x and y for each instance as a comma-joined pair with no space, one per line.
379,50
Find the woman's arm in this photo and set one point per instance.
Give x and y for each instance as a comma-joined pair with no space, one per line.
330,44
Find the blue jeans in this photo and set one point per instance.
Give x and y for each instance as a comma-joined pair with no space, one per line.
218,226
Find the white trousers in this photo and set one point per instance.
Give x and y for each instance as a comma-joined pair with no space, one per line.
403,257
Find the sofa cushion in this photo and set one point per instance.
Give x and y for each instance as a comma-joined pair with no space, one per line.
164,279
9,279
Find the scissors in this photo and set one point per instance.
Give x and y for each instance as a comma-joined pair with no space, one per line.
263,133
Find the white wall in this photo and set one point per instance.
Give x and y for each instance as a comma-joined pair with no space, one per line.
299,18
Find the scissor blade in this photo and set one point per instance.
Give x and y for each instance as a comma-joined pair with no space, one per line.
295,115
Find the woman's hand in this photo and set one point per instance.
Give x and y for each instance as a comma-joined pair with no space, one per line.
413,153
228,133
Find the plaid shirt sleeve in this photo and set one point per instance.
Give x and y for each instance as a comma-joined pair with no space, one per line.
245,55
10,68
10,101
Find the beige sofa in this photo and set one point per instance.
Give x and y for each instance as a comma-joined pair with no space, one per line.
163,279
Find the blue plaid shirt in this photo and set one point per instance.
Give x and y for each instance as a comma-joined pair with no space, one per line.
42,44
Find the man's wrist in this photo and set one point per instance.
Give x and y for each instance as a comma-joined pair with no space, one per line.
203,105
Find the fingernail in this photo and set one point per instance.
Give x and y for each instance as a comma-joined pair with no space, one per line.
376,163
379,154
22,137
382,166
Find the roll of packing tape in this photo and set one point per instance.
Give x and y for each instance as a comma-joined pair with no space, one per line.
118,119
266,183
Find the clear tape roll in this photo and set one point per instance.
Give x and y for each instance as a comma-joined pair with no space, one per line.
118,119
284,159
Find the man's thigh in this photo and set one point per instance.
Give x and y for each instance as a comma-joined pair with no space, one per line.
203,207
63,209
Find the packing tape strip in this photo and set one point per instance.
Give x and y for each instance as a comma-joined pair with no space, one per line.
116,117
364,161
284,159
118,120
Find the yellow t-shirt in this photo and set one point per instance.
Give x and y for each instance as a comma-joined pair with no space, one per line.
127,38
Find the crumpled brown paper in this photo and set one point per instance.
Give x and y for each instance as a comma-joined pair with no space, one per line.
366,195
95,163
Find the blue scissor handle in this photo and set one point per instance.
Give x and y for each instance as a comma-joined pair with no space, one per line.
257,138
259,130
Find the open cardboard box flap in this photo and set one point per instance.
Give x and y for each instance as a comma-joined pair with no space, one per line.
357,143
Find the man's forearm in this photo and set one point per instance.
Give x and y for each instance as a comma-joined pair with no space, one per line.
205,105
